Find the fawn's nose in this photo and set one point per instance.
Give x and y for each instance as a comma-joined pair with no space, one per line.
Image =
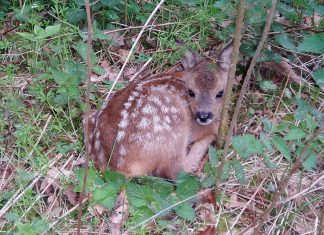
204,117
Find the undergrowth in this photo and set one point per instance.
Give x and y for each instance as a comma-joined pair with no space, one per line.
42,88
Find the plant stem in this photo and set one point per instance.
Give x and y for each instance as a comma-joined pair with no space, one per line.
87,110
228,91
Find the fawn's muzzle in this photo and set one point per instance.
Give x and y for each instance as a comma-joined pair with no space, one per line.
204,118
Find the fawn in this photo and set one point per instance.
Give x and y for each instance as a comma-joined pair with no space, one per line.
147,127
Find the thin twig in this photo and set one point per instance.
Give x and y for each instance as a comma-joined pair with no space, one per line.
231,73
240,99
40,136
249,73
133,48
87,110
280,98
141,70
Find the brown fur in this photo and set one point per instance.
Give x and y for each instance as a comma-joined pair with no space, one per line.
146,128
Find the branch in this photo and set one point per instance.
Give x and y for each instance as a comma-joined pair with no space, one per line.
228,91
87,110
240,99
283,184
231,73
249,73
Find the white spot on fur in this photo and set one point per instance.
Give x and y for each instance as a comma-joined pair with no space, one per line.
102,156
156,118
158,128
149,109
173,109
97,144
139,103
120,135
135,94
123,123
167,99
120,162
127,105
167,119
144,123
159,88
166,126
139,87
98,135
124,114
93,119
131,98
164,109
172,88
155,99
122,150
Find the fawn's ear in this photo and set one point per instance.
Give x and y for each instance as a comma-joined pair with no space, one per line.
225,57
190,59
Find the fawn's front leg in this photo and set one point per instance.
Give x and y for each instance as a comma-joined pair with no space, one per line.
196,153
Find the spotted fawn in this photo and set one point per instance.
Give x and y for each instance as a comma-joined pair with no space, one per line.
147,127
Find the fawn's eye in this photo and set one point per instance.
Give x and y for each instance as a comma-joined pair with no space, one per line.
220,94
191,93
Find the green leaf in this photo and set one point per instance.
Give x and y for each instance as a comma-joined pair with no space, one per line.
52,30
281,127
11,216
185,211
93,180
38,30
187,185
280,144
285,41
313,43
98,70
226,171
295,134
213,156
310,163
319,77
266,141
247,145
287,11
268,85
97,33
115,178
27,36
269,163
40,225
106,196
303,109
239,171
311,123
77,69
82,49
25,229
58,76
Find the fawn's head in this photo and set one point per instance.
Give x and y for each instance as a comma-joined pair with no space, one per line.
205,83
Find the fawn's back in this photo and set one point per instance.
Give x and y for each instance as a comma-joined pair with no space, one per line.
147,127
